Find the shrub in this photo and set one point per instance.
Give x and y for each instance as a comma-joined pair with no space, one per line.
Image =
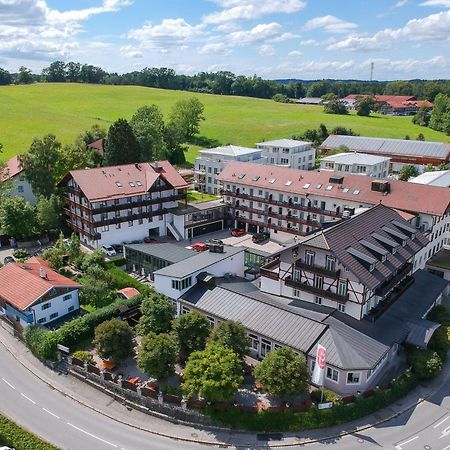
157,315
328,396
122,280
192,331
440,314
440,342
83,356
96,258
20,254
425,364
114,339
41,342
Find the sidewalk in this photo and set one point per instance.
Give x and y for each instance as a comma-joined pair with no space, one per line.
92,398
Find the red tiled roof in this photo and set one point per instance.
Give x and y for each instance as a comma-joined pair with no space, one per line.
411,197
123,181
21,283
395,101
129,292
12,169
98,145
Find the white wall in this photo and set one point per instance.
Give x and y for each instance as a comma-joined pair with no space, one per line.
21,188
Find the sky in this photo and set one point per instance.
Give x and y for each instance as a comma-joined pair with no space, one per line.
303,39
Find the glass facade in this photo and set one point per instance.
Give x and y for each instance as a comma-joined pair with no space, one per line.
143,263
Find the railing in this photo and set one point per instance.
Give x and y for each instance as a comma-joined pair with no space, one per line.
75,216
396,279
315,290
317,269
290,205
272,226
267,270
84,232
127,218
78,205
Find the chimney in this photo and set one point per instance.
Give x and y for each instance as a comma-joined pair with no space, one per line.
42,273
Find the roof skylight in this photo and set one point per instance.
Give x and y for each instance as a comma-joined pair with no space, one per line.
272,180
118,184
288,183
306,186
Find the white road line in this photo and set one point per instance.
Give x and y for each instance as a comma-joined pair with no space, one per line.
52,414
9,384
28,398
441,422
445,432
446,448
92,435
399,446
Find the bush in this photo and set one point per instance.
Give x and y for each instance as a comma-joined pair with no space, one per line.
41,342
83,356
440,342
20,254
328,396
114,339
122,280
425,364
440,314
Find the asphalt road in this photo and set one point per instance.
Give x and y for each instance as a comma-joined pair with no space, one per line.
69,425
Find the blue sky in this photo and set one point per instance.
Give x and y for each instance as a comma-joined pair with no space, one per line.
307,39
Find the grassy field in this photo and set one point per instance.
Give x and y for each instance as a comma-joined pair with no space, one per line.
28,111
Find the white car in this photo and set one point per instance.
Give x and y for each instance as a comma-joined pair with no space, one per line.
108,250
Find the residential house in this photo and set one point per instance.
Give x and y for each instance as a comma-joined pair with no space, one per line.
31,293
288,153
20,187
111,205
402,152
358,163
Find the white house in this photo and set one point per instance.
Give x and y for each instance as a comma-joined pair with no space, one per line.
212,161
20,187
288,153
33,294
358,163
433,178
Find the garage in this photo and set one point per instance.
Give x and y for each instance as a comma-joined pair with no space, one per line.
206,228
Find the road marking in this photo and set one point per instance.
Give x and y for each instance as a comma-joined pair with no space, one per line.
399,446
445,432
52,414
446,448
9,384
441,422
28,398
92,435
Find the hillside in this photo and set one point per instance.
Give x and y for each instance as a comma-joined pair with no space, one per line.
66,109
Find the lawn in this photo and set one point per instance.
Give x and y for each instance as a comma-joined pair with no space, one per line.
66,109
197,197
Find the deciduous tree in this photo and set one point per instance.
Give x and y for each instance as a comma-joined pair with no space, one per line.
232,335
186,115
406,172
49,212
157,315
121,145
17,218
192,331
114,339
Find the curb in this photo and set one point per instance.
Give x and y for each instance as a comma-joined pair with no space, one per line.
221,429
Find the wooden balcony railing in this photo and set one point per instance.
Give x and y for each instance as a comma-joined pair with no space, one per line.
317,269
315,290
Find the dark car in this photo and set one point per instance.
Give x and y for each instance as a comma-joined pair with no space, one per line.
257,238
210,242
118,248
9,259
150,240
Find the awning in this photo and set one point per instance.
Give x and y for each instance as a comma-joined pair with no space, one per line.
421,332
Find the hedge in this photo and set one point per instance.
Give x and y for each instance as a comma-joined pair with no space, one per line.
16,437
42,342
289,420
123,280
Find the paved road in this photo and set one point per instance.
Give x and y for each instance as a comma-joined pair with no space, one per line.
69,425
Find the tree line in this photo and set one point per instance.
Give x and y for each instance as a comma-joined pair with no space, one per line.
224,82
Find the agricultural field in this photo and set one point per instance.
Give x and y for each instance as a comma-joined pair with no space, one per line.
28,111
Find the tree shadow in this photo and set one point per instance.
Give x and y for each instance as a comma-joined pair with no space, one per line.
203,141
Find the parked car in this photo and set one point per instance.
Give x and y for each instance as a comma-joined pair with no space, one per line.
237,232
257,238
108,250
9,259
118,248
200,247
210,242
150,240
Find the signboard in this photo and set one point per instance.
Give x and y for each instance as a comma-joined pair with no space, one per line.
319,368
326,405
63,348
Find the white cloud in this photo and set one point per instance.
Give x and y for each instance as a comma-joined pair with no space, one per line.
266,50
310,43
434,27
401,3
130,51
437,3
214,49
295,53
168,34
330,24
251,9
263,32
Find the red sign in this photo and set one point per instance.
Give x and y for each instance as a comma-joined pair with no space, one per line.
321,357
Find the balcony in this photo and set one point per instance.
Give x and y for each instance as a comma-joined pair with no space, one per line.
390,284
83,232
301,286
129,217
318,269
272,226
288,204
271,270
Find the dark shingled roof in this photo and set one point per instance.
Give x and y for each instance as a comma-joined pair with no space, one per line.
345,240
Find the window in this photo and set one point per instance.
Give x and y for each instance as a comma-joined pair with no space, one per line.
345,190
70,309
139,183
20,188
254,341
329,187
296,293
318,281
309,258
331,264
341,307
185,309
266,347
332,374
306,186
141,221
353,377
118,184
131,183
130,223
342,287
46,306
67,297
211,321
318,300
42,320
180,285
54,315
105,228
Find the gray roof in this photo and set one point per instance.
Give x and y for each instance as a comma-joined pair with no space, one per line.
421,332
355,158
167,251
435,178
268,320
288,143
388,146
346,241
230,150
197,262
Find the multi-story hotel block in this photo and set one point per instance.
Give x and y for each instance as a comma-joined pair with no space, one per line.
301,202
111,205
288,153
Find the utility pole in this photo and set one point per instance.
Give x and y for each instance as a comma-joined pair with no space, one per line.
372,64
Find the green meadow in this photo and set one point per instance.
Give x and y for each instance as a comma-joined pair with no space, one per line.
27,111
